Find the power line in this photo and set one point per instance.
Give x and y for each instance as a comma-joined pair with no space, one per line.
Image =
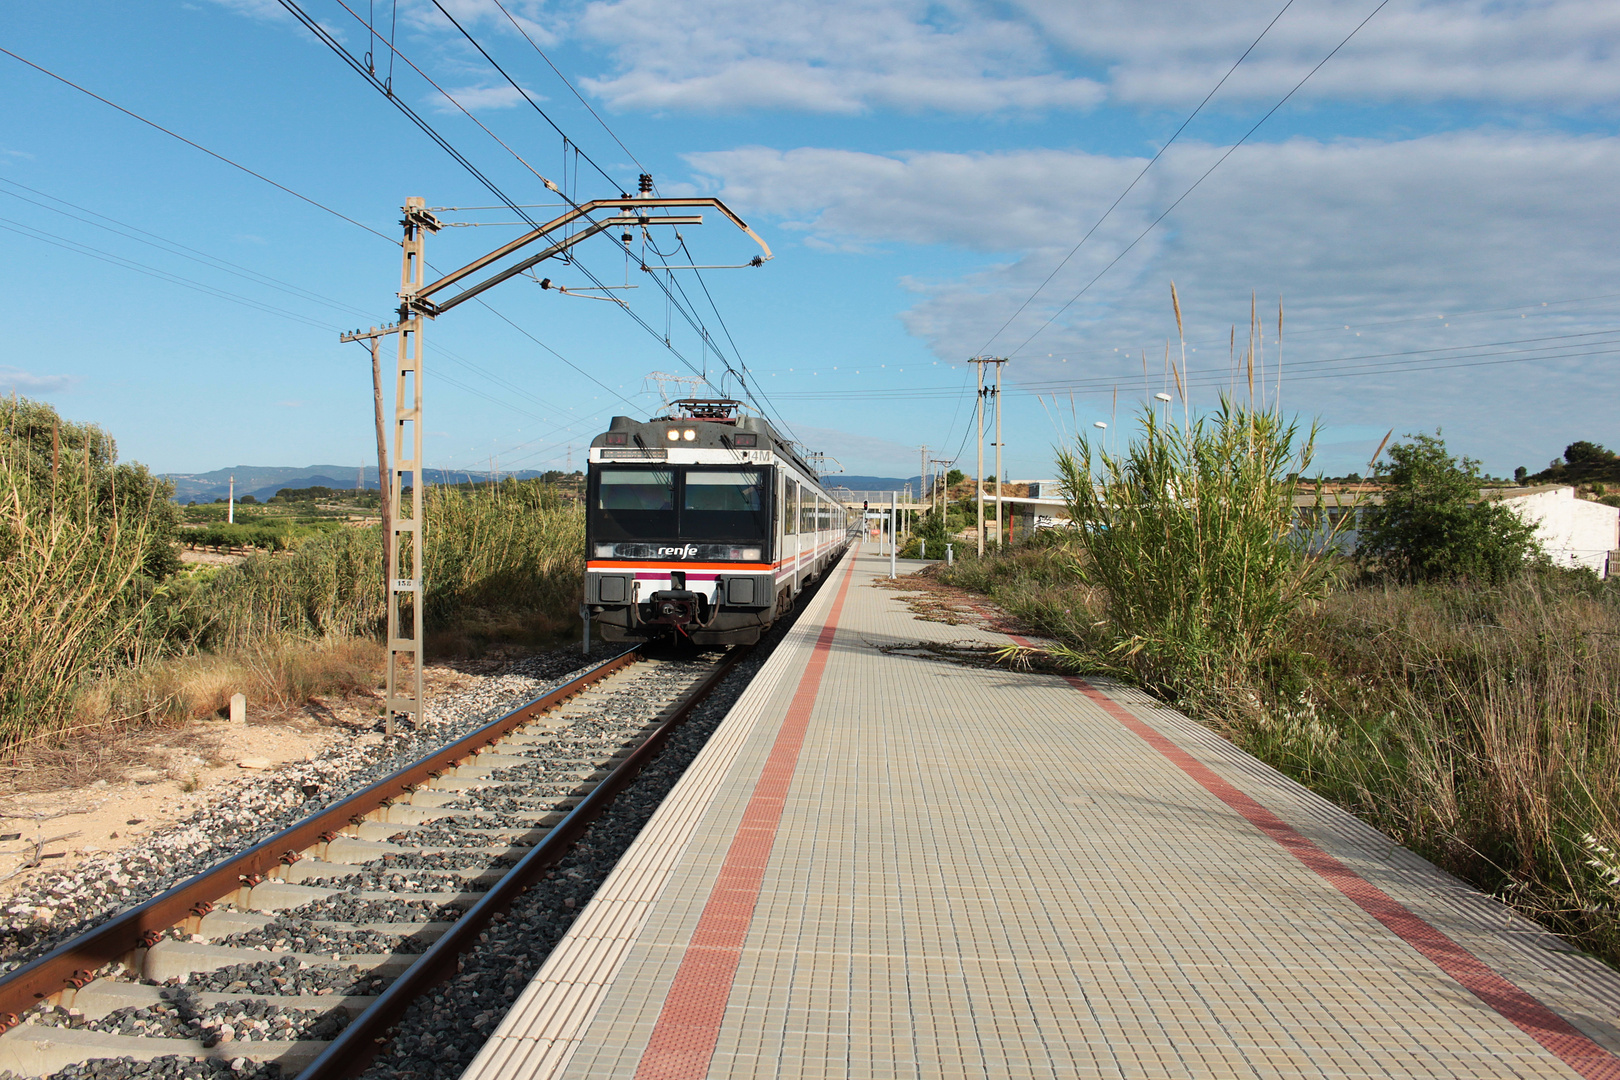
1229,152
1129,187
570,86
34,233
198,146
213,262
691,319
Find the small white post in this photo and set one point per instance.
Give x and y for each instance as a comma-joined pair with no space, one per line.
230,504
949,552
894,534
923,545
238,708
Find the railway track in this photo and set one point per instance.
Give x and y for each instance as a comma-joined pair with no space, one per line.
299,955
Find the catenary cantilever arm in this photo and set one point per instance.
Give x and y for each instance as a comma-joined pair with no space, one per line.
625,206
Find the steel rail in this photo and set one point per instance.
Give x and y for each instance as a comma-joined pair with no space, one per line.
71,965
353,1049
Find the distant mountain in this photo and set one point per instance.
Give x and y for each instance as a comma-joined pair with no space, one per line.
264,481
872,483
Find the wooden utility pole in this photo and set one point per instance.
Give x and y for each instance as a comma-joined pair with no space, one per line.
374,336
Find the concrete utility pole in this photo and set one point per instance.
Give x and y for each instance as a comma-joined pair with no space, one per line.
978,476
1000,478
980,361
942,482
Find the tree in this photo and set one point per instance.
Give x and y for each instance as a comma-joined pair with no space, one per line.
1521,476
1587,453
1433,524
954,477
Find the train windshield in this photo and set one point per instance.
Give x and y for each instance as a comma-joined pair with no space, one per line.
694,503
728,491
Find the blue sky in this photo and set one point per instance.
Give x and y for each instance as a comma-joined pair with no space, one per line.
1434,208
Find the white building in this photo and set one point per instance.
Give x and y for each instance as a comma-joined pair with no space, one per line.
1573,532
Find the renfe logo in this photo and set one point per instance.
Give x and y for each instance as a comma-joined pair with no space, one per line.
679,552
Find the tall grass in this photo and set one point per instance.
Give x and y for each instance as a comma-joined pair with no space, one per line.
512,555
77,536
1188,539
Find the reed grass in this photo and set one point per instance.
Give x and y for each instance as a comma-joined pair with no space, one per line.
77,537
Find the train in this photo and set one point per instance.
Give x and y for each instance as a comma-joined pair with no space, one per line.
703,524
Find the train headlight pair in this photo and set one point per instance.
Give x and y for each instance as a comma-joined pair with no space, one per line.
676,436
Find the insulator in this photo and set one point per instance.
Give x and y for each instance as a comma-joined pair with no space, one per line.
646,183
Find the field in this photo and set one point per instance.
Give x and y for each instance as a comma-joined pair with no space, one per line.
100,622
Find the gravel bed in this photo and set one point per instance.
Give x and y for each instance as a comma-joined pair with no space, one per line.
441,1033
297,935
164,1068
182,1016
286,975
59,906
349,907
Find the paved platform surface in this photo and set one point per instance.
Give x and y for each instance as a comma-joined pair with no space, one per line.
887,863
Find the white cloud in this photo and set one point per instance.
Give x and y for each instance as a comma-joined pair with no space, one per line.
966,56
23,382
1346,232
476,98
842,57
1527,51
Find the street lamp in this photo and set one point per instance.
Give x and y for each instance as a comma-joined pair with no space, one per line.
1166,399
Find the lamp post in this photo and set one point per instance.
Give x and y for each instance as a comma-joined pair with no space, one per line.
1103,427
1166,399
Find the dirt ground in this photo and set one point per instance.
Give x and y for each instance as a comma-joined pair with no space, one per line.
59,807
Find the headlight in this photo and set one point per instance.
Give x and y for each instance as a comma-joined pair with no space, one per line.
750,554
604,551
672,435
688,434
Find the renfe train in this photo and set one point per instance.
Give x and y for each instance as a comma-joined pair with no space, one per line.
704,524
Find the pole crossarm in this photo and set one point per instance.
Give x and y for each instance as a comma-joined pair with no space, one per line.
628,216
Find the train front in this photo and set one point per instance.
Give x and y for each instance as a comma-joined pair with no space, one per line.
679,526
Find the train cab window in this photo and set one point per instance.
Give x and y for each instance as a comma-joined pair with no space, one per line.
728,490
636,489
630,503
721,505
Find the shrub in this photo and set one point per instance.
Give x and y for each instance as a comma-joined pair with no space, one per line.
1433,525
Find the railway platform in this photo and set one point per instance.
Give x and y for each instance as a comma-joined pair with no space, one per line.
889,863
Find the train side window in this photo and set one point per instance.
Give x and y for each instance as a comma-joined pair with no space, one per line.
807,513
790,508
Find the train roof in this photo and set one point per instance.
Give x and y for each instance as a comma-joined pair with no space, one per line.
714,422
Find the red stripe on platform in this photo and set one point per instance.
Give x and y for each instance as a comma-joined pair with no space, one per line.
688,1027
1557,1035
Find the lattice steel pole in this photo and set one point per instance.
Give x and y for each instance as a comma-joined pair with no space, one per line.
405,567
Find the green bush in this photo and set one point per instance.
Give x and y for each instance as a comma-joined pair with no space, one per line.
1433,525
1189,538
